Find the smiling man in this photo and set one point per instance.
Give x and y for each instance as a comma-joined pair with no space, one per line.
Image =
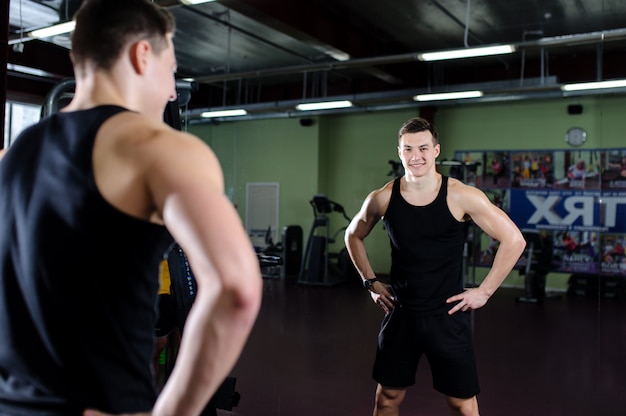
427,310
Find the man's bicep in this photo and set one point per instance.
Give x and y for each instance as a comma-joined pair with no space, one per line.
495,222
366,218
207,226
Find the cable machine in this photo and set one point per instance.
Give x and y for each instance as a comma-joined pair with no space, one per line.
538,263
319,265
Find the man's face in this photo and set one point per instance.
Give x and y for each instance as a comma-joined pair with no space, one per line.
417,152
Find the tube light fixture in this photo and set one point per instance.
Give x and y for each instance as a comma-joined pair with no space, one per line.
616,83
466,53
190,2
448,96
54,30
324,105
224,113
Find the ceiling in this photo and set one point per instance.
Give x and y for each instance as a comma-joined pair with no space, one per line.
270,54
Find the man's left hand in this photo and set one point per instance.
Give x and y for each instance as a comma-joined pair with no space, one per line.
469,300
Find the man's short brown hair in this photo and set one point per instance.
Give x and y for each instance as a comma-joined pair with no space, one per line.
105,27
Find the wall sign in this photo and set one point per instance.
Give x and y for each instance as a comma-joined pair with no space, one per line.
574,198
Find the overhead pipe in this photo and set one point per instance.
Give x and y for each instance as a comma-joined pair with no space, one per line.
545,42
398,98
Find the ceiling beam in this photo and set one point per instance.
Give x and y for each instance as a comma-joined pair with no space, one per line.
545,42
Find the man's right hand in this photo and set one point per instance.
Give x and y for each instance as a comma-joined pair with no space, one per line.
382,296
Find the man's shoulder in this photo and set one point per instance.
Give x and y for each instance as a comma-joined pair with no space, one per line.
384,192
378,200
455,185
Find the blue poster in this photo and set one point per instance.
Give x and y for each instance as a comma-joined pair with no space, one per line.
569,210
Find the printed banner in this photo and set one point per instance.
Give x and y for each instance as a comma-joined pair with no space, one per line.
572,203
569,210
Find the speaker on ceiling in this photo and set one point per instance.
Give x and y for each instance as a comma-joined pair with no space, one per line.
306,122
575,109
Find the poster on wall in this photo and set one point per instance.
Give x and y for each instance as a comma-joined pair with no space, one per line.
578,169
575,199
569,210
576,251
532,169
613,174
613,261
497,170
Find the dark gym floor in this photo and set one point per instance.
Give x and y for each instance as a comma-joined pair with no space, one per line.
311,351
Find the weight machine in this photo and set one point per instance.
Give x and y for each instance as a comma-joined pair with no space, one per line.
538,265
319,265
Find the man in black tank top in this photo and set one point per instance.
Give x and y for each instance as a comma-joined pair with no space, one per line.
427,310
91,199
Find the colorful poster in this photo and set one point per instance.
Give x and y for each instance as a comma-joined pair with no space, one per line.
576,251
613,260
574,201
613,170
497,170
532,169
577,169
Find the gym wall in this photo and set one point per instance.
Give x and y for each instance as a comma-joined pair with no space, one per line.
346,156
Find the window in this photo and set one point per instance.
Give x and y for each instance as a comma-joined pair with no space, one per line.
17,117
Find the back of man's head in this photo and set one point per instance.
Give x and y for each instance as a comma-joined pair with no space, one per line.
105,27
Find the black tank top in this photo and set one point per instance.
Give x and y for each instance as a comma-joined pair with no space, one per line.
426,251
78,278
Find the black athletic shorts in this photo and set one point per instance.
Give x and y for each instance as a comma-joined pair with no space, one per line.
166,315
445,340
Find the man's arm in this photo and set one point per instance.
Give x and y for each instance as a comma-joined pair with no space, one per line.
497,224
185,181
360,227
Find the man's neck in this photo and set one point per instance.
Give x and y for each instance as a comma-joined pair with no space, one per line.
423,183
95,89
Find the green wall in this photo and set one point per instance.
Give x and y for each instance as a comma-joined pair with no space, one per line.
346,156
268,151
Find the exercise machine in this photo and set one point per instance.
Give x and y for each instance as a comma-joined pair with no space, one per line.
62,93
537,266
270,257
282,259
319,265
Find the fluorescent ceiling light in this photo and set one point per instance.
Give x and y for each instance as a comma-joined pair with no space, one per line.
28,70
448,96
616,83
49,31
195,1
466,53
324,105
224,113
